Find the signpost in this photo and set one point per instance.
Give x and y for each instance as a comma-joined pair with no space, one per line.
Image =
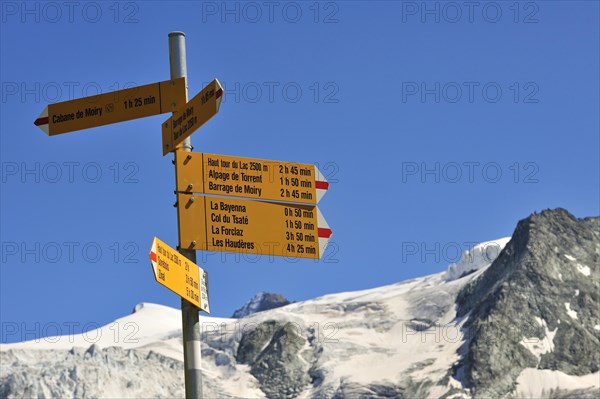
117,106
249,177
250,226
275,213
190,317
196,113
179,274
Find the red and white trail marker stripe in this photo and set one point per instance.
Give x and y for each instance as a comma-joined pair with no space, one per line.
324,233
321,184
42,121
153,258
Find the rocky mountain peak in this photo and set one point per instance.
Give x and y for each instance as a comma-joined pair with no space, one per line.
260,302
535,306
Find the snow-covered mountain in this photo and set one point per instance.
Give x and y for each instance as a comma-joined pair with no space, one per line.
513,318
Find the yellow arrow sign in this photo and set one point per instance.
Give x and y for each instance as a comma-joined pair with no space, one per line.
249,226
113,107
249,177
179,274
196,113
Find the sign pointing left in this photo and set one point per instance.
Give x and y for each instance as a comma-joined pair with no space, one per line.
117,106
180,275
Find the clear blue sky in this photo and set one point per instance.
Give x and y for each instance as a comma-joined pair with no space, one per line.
437,125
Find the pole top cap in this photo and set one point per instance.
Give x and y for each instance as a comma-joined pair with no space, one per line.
173,34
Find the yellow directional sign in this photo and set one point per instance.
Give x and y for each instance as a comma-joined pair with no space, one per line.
249,177
179,274
250,226
196,113
113,107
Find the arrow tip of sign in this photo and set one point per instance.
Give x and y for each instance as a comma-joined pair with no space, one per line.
42,121
153,257
218,93
324,231
321,183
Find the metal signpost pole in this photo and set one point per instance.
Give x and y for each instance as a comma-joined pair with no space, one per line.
189,313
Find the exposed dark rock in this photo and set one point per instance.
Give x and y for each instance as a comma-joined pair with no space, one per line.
259,303
548,271
275,353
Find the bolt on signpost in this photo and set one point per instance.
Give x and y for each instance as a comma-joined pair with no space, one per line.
224,203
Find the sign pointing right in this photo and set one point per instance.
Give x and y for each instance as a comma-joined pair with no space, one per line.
194,114
250,226
249,178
